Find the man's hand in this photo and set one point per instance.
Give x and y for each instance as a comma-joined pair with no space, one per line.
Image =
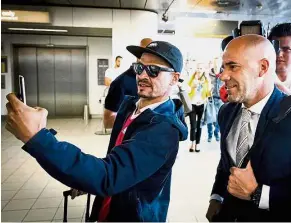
213,209
242,182
76,193
24,121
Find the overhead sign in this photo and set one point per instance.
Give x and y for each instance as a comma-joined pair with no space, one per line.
215,29
24,16
102,66
204,27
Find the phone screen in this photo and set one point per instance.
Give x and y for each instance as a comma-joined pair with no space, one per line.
22,95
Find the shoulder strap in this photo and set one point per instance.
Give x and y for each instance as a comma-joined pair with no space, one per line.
285,109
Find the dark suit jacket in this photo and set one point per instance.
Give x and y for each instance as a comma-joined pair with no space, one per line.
270,157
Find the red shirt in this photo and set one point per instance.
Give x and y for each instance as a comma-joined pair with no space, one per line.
223,94
222,91
106,202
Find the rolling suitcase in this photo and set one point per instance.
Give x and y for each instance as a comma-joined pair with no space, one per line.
68,193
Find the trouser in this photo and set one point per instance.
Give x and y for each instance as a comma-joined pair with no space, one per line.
195,122
210,130
217,104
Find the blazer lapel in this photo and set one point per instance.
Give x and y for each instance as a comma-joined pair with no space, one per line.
229,122
269,112
149,116
121,117
142,120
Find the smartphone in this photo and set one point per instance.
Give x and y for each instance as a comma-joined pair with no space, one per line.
22,95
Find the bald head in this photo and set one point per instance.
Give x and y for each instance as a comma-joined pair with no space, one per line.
249,65
253,47
144,42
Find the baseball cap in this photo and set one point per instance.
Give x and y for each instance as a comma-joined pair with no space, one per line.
170,53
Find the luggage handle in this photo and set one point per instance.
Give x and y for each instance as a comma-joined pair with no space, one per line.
68,193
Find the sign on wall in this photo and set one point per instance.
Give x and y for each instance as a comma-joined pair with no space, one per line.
3,83
25,16
102,66
4,67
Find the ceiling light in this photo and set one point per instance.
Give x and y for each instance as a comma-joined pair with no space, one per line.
40,30
204,11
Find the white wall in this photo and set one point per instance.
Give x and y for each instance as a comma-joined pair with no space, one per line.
8,79
200,49
129,27
98,48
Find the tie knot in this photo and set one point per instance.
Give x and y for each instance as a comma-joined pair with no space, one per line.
246,115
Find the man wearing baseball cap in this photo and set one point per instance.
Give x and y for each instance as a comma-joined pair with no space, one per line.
124,84
132,183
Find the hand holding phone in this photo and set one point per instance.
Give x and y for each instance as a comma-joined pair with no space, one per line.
22,94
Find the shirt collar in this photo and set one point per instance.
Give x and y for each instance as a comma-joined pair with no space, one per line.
151,106
258,107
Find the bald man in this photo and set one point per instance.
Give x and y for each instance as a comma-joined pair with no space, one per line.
124,84
253,180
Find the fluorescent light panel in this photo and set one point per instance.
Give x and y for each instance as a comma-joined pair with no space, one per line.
204,11
40,30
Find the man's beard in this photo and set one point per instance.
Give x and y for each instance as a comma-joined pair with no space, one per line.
141,95
238,97
144,94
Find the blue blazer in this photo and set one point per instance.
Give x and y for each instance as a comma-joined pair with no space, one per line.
270,157
136,174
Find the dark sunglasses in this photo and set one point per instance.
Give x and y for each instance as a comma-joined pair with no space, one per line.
152,70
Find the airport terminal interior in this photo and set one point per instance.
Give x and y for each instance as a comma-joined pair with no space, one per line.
63,49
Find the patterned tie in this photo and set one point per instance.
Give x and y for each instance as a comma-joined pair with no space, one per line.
243,143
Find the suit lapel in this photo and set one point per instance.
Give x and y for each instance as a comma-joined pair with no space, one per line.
121,117
232,115
142,120
149,116
269,112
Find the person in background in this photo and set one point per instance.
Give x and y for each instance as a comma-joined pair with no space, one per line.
124,84
282,32
200,91
216,84
222,91
112,73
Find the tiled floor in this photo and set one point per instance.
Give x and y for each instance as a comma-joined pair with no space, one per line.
28,193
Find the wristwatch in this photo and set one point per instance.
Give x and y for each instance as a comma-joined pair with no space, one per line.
256,195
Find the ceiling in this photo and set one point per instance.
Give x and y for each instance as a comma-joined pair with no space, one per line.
255,7
152,5
220,9
247,7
